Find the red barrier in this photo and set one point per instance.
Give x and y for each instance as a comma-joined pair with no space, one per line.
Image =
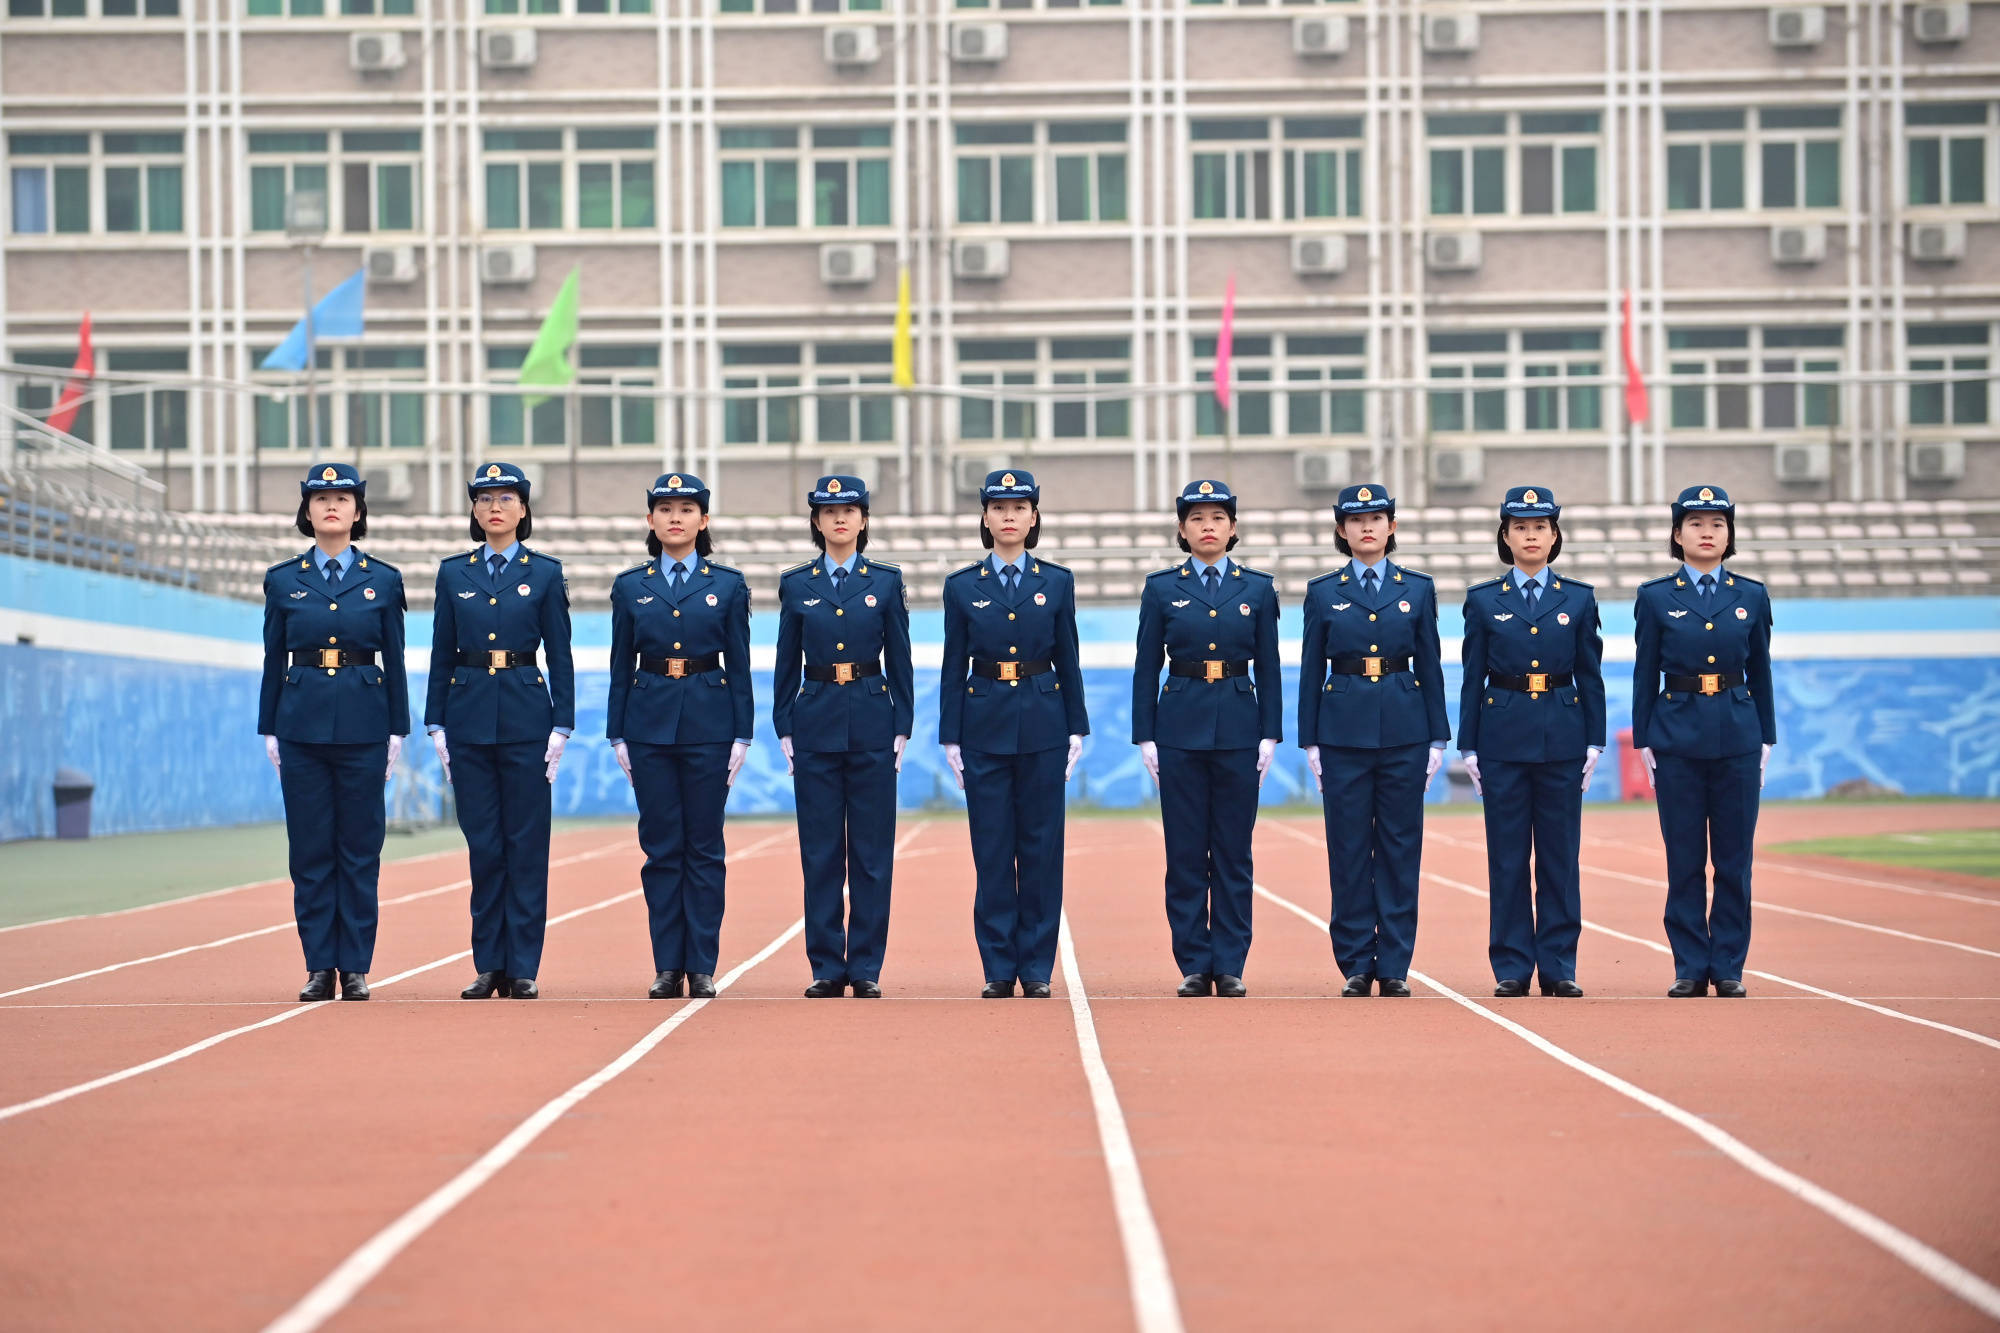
1634,782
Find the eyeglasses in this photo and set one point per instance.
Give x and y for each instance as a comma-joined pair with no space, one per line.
500,501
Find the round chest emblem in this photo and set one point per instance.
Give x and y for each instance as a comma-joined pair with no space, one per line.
1742,613
368,593
869,599
1404,607
712,599
1562,617
1041,599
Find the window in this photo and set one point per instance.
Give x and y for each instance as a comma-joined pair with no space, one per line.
1469,177
761,420
1798,157
1468,356
371,182
281,416
1955,348
852,418
1085,364
556,6
1949,145
614,179
1705,159
850,182
1313,360
509,419
352,419
1561,356
50,174
76,9
318,8
524,180
148,417
995,363
1535,164
1791,404
77,183
996,180
40,394
1322,167
760,177
531,176
1094,362
799,6
1010,173
848,167
1779,402
1031,4
142,192
618,400
1699,353
1232,175
1249,404
1089,172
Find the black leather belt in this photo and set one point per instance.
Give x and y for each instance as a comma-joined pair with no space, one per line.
680,666
494,660
1207,669
842,673
1368,666
1539,682
330,657
1714,683
1010,670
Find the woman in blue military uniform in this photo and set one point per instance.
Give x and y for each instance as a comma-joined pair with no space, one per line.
1012,722
679,718
333,710
1704,722
1531,728
1208,734
1373,725
499,720
842,707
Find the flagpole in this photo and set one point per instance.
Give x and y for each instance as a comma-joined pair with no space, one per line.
573,422
312,363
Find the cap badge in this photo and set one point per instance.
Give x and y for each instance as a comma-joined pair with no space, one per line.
673,483
833,483
1707,494
329,474
1207,488
1529,497
1006,479
1364,494
492,469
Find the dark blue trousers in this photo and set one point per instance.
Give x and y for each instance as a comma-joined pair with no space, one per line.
1708,814
847,835
504,810
334,821
1014,805
1208,806
1374,804
682,790
1538,808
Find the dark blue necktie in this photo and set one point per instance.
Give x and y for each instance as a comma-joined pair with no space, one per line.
1534,595
1707,586
497,563
333,573
1368,582
1212,578
676,574
839,578
1008,577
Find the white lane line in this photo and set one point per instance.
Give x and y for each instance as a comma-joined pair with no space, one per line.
1961,1282
339,1287
1155,1307
1816,873
300,1010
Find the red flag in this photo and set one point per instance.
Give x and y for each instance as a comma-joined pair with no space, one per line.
64,415
1637,406
1223,341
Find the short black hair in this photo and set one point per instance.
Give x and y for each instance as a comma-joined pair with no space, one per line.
1340,538
819,538
703,544
303,522
520,533
1507,556
1674,538
1034,533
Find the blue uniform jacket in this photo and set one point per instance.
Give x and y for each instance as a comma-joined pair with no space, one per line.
333,706
1502,636
1176,617
1406,708
1037,624
708,613
1678,636
525,610
868,620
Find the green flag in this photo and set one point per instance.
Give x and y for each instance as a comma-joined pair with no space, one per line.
548,360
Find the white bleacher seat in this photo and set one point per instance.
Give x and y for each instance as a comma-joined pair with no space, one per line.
1934,578
1821,578
1783,578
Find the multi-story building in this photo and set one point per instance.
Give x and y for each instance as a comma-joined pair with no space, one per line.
1430,216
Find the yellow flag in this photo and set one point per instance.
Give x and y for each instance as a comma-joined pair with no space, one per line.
904,372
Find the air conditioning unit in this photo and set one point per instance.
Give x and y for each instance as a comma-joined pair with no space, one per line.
1320,35
979,43
1942,23
507,48
979,260
397,481
852,44
375,52
1798,25
507,263
1802,462
1321,469
847,264
1937,242
1451,34
1457,467
1798,243
1319,256
390,263
1937,460
1452,251
968,472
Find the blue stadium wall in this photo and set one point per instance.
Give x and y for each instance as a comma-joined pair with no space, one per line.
152,692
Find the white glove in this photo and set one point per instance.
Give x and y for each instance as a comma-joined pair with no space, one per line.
395,753
738,752
1763,762
1075,753
955,757
1149,755
898,745
1312,762
553,755
1432,765
1646,758
444,755
1267,750
1590,758
785,748
271,753
624,758
1472,771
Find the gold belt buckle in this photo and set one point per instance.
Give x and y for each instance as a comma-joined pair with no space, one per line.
1538,683
677,667
1009,670
1711,684
844,672
1371,667
1212,670
496,659
329,657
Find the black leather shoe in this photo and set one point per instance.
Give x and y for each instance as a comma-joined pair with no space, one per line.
1510,990
866,990
666,985
1686,988
353,986
526,989
998,990
1730,988
1357,987
1230,988
701,986
485,985
1035,990
319,985
1193,985
822,989
1566,990
1395,987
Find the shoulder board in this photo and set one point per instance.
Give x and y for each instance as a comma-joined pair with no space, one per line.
971,569
288,560
723,569
1664,578
1257,573
1330,574
1048,564
461,557
1487,583
377,562
540,555
803,564
1168,572
639,568
1745,578
1575,583
884,564
1414,573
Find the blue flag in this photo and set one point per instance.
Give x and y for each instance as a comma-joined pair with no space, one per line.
338,315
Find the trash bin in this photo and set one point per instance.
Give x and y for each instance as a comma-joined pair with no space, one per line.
1637,784
73,790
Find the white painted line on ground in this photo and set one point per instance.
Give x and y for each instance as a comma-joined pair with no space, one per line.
1155,1306
339,1287
1816,873
1945,1272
